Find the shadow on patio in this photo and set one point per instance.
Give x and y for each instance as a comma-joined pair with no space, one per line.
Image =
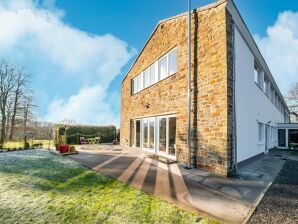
229,200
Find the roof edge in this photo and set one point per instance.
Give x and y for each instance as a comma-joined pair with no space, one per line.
200,9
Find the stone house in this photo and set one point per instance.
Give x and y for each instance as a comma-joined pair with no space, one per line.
235,102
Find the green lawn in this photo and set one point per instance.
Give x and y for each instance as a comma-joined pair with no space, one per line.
39,187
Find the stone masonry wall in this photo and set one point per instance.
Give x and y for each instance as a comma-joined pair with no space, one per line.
213,92
212,107
168,96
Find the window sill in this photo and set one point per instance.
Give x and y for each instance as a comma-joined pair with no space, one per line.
260,143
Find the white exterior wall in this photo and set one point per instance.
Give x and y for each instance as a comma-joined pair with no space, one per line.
252,105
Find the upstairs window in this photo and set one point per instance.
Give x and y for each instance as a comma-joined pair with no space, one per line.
258,76
147,78
140,82
159,70
272,94
173,62
134,85
266,86
152,74
163,68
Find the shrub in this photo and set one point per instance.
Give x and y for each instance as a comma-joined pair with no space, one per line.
26,145
72,148
74,132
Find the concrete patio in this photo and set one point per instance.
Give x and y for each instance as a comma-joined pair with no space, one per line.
231,200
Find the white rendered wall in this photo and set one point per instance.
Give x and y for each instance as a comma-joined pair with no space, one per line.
252,105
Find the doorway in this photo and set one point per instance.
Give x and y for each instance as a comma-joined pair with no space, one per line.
155,134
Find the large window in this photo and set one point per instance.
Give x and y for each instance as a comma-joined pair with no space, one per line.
134,85
159,70
263,81
147,78
293,138
140,82
138,133
173,62
162,134
163,68
172,135
260,132
152,74
151,133
156,134
145,133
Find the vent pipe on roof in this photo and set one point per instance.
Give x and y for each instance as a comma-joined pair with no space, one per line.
189,87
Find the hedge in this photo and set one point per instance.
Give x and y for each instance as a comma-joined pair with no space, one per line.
74,132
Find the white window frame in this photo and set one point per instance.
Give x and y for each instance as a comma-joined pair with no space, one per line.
168,55
166,154
140,84
134,85
167,67
155,149
146,72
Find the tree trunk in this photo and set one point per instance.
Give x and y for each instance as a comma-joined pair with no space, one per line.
13,117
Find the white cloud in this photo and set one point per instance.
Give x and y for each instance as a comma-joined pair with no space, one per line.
280,49
87,106
35,32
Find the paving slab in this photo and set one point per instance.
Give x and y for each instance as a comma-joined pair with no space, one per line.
230,200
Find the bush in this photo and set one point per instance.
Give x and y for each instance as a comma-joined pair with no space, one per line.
74,132
72,148
26,145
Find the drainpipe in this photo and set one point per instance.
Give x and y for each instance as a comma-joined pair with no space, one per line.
235,108
189,86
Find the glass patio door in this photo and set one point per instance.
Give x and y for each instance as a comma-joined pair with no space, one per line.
148,133
166,136
137,142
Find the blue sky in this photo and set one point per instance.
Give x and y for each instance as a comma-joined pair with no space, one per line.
78,51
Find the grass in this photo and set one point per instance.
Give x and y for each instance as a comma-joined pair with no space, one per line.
39,187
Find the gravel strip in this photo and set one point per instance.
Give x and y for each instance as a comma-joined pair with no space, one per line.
280,203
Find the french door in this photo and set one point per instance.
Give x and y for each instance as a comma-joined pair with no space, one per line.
166,136
148,133
156,134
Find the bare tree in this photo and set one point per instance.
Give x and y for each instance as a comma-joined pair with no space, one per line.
27,110
19,91
7,79
292,100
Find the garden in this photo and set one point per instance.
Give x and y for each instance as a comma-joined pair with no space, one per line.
39,187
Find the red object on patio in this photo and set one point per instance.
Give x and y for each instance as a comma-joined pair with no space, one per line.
64,148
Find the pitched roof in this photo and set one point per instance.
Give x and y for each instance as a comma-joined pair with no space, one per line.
212,5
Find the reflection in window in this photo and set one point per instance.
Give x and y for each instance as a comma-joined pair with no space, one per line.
162,134
173,62
138,133
145,134
163,64
172,136
151,133
282,137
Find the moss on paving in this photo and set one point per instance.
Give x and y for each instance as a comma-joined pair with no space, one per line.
39,187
